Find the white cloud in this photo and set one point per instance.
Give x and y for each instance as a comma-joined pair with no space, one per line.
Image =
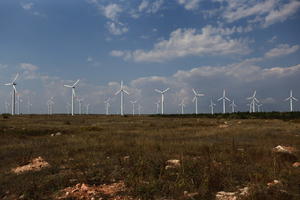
148,7
27,6
187,42
29,66
112,11
281,50
117,28
189,4
281,14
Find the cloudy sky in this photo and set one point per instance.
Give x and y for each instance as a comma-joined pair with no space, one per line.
209,45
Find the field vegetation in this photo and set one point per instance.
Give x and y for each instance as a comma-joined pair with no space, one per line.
219,153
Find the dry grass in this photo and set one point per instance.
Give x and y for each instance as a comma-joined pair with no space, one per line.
99,150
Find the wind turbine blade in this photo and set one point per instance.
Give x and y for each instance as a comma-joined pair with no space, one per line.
165,90
15,78
15,89
158,91
195,93
254,94
117,92
8,84
294,99
73,92
76,83
68,86
125,92
220,99
194,99
287,99
227,99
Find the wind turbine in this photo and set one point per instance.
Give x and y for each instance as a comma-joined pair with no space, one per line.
50,104
212,105
29,105
133,103
195,99
73,95
107,105
80,100
224,99
157,106
291,99
182,105
253,102
139,109
87,108
19,101
233,105
259,107
13,95
162,98
6,106
122,91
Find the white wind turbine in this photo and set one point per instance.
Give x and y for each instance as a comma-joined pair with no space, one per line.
212,105
224,99
107,105
157,106
195,99
182,105
73,95
87,108
233,105
122,91
50,104
259,107
13,95
291,99
253,102
133,103
19,101
80,100
139,109
29,106
162,98
6,106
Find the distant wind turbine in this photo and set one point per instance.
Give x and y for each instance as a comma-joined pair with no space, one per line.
182,105
50,104
133,103
253,102
29,105
291,99
212,105
80,100
259,107
233,105
122,91
195,99
157,106
73,95
19,101
107,105
224,99
87,108
6,106
13,96
162,98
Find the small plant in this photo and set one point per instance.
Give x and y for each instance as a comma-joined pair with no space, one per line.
6,115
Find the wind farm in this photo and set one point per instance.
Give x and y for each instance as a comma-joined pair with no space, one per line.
149,100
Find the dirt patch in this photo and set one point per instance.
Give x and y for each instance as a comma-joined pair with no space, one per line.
36,164
82,191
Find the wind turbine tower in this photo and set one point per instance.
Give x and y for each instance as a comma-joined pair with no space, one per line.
73,95
212,105
182,105
291,99
87,108
224,99
107,105
233,105
162,98
122,91
133,103
253,102
80,100
195,99
157,106
13,95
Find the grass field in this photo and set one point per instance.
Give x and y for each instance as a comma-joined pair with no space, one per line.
216,154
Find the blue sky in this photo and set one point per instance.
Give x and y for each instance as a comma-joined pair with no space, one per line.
237,45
